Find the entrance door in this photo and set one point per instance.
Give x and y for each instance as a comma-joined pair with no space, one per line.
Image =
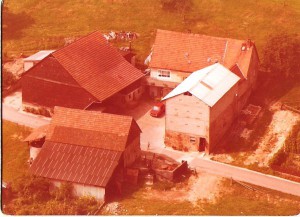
202,143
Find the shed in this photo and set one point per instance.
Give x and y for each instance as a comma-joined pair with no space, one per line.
89,149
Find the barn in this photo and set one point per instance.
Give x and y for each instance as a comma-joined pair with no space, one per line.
87,71
200,110
89,149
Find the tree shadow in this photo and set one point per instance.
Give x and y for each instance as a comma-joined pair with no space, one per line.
14,24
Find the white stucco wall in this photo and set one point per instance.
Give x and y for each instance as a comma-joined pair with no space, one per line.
175,76
85,190
187,114
28,65
34,152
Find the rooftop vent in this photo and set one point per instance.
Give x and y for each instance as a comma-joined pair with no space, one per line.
208,59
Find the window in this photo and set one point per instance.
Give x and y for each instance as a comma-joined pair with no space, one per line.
192,139
187,93
164,73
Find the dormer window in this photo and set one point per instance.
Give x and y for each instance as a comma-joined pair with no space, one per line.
164,73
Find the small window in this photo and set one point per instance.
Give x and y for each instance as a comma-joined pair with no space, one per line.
192,139
187,93
164,73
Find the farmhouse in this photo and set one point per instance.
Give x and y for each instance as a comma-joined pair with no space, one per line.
176,55
89,149
85,72
201,109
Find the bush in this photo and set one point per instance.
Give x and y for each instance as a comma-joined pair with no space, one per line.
64,192
278,158
8,78
281,55
30,187
86,205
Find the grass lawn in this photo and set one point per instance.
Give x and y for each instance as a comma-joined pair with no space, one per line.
15,153
32,25
234,200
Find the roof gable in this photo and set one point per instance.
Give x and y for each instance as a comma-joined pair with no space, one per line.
208,84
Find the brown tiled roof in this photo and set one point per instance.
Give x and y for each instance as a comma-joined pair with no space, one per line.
37,133
80,164
90,128
96,66
190,52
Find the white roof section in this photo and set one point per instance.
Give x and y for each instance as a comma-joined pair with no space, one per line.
39,55
208,84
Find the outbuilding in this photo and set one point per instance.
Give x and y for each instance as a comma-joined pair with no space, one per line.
89,149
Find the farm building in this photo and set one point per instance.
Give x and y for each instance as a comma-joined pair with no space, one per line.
35,58
201,109
89,149
176,55
85,72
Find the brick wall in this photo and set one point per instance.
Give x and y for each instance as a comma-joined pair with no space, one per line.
181,141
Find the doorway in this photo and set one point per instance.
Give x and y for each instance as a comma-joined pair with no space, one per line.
202,143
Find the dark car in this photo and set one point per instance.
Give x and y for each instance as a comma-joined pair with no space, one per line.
158,109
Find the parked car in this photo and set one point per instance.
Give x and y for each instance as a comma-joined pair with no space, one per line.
158,109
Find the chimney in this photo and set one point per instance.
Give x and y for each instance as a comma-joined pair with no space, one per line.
249,43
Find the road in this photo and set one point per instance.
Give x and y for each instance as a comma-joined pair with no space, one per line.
245,175
13,115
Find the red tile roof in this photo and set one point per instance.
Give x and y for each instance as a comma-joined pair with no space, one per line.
90,128
37,133
96,66
190,52
79,164
84,146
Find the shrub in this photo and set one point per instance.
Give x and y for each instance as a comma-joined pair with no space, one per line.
281,55
64,192
8,78
86,205
278,158
31,187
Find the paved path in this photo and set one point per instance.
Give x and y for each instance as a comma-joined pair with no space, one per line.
29,120
203,164
245,175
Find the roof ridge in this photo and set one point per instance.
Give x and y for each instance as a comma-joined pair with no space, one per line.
91,112
79,39
200,35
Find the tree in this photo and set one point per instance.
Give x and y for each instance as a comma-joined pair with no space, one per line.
177,5
281,56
